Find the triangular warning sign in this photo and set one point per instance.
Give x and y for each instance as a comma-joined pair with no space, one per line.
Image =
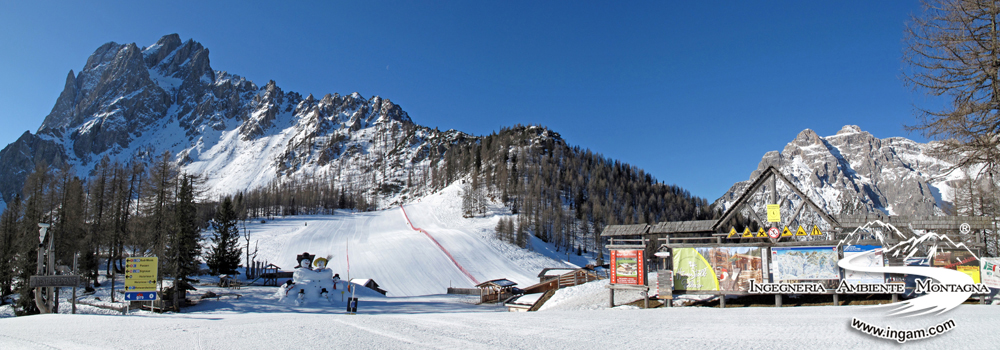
732,233
815,231
747,233
761,233
801,231
785,232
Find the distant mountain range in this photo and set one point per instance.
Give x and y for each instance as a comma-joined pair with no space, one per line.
132,103
854,172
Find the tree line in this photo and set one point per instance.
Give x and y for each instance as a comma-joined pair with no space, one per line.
136,209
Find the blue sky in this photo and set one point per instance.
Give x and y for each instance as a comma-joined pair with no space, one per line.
693,92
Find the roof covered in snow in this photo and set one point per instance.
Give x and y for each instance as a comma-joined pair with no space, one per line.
502,282
625,230
683,226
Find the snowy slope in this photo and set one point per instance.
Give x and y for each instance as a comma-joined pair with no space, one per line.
381,246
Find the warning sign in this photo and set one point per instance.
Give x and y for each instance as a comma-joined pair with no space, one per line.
801,231
815,231
747,233
732,233
785,232
140,278
761,233
773,213
773,233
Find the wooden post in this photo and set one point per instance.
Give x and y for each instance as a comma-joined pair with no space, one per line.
836,299
777,300
895,298
722,301
612,299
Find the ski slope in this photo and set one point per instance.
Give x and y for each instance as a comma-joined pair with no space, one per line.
382,246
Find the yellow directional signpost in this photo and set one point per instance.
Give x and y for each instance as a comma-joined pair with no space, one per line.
140,278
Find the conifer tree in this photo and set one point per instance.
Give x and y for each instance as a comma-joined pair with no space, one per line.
224,258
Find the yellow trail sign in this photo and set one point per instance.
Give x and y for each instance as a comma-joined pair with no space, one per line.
140,274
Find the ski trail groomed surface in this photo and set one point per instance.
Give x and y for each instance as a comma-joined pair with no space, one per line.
467,274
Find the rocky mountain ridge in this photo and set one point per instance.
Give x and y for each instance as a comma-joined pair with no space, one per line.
855,172
130,103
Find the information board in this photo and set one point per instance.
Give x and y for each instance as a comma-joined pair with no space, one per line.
628,267
140,278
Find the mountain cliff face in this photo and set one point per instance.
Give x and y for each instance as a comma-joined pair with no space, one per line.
130,103
855,172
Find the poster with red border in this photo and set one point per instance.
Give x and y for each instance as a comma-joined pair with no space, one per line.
628,267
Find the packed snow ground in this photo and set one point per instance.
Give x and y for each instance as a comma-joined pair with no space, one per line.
451,325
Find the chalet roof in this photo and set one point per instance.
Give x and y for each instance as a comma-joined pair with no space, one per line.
501,282
683,226
525,300
364,282
556,271
625,230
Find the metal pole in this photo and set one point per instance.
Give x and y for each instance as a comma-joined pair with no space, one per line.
50,297
74,287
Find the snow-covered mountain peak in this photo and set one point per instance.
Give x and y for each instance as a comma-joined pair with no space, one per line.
849,129
130,103
855,172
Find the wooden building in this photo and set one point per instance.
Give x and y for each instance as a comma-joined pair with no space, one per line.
497,290
368,283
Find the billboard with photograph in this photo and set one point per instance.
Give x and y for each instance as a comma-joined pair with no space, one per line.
990,272
628,267
875,260
795,264
958,259
727,269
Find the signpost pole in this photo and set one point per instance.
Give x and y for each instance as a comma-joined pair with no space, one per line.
74,286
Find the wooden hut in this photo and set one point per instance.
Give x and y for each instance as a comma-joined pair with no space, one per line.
496,290
368,283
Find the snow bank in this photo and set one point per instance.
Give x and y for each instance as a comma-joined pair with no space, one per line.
588,296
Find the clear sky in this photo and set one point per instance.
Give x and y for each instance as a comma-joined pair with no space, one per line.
694,92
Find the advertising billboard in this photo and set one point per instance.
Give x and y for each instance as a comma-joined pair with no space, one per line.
958,259
875,260
628,267
990,272
795,264
728,269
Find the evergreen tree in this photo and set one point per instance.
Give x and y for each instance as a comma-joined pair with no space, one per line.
224,258
184,248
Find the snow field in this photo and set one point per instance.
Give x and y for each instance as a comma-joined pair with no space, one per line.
381,246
